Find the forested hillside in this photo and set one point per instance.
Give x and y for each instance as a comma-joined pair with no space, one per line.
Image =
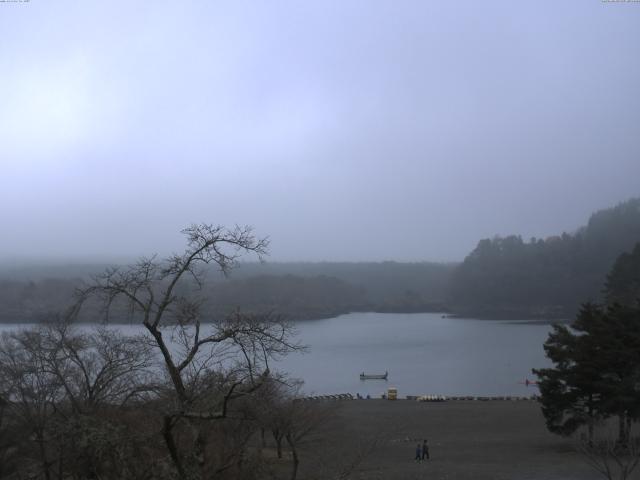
544,277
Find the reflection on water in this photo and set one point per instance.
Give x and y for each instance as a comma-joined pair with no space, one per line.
423,353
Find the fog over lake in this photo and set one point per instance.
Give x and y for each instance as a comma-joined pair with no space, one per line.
345,131
424,353
357,197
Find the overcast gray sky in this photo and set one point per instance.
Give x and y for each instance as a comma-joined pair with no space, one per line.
344,130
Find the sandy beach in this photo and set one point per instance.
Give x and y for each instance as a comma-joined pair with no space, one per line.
474,440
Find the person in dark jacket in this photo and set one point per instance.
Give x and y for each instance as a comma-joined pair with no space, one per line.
425,450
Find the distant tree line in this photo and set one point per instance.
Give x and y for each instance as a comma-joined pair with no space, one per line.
380,282
33,301
296,290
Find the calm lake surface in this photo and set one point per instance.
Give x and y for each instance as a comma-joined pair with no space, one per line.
423,353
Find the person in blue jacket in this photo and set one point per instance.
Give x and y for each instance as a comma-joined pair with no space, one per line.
418,453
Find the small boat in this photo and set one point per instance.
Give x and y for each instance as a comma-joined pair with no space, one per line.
365,376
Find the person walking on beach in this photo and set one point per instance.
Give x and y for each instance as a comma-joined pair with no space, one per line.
425,450
418,453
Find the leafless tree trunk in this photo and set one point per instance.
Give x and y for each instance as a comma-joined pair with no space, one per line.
167,434
294,455
280,410
278,436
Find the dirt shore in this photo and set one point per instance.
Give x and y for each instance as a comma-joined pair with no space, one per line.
474,440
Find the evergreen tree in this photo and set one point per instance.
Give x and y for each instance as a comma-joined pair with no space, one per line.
596,371
569,392
623,283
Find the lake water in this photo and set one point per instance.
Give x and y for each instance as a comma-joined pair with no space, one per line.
423,353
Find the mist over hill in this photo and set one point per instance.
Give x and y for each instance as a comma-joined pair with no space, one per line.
508,276
502,277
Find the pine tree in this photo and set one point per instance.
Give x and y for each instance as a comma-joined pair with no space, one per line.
623,283
569,392
596,373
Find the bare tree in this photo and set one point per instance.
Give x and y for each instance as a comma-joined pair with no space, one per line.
101,371
7,439
100,367
337,463
31,393
60,386
305,418
209,362
612,459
